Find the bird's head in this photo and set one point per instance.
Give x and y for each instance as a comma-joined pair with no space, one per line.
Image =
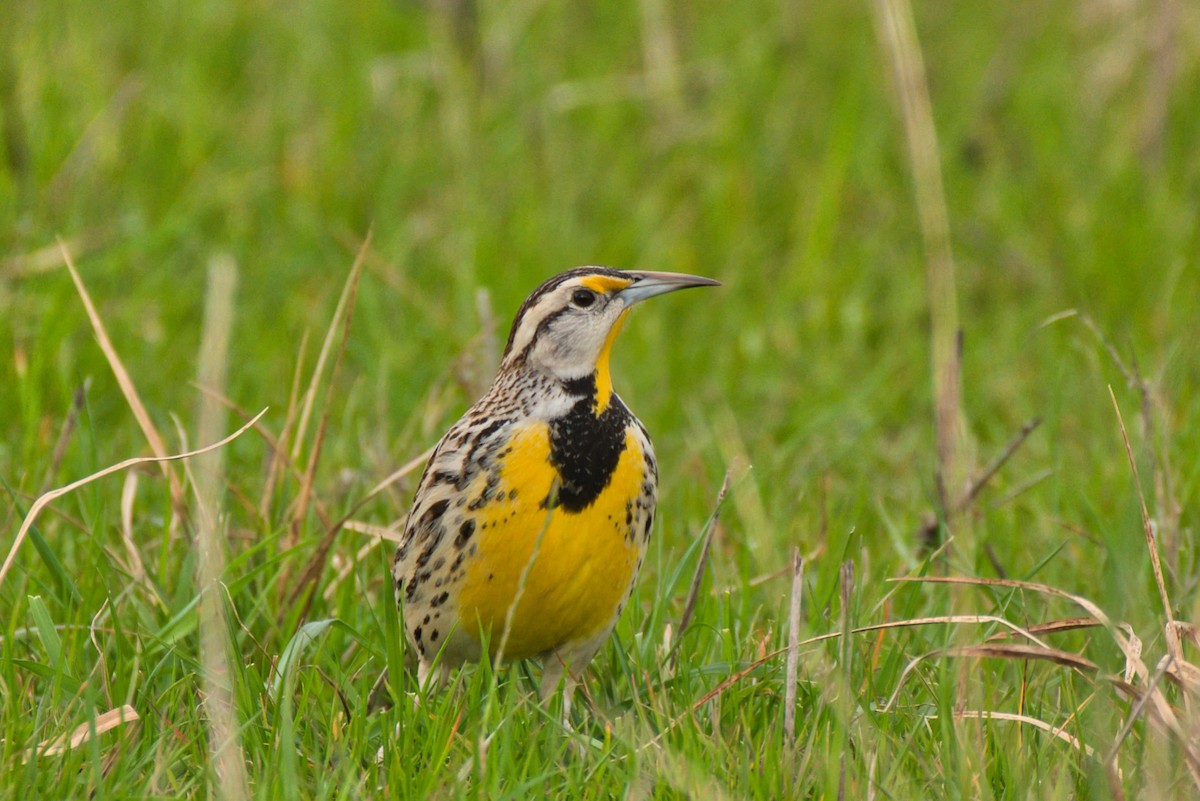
567,327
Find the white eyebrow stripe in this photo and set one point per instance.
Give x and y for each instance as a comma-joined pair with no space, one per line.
532,319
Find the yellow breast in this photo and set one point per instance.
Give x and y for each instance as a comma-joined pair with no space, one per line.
578,566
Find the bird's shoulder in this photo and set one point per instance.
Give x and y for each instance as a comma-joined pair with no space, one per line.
476,444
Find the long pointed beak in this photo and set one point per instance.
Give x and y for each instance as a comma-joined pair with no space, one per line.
648,284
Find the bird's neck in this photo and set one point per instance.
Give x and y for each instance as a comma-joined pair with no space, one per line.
595,386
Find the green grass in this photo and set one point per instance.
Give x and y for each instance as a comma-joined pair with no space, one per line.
769,154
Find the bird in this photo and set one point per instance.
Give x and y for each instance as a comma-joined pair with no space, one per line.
531,519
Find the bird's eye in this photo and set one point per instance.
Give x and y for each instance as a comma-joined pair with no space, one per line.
582,298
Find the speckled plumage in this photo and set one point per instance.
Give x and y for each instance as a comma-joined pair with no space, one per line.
532,517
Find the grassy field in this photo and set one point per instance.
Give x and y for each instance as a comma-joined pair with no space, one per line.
213,169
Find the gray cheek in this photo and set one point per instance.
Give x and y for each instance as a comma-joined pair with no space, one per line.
567,339
560,349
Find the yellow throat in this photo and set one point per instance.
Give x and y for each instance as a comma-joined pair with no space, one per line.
603,373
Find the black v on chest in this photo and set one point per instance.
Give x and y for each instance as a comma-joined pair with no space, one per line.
585,447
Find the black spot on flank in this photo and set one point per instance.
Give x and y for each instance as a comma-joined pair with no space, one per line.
445,477
433,635
486,432
465,533
417,634
439,600
426,620
488,493
434,513
424,557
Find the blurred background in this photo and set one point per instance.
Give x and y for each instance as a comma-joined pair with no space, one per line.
487,146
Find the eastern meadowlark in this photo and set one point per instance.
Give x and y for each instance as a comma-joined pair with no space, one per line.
532,517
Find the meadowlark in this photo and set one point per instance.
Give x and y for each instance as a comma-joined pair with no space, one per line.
532,517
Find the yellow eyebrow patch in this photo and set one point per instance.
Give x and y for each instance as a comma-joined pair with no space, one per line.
604,283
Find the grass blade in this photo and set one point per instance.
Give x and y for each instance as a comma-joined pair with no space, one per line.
46,631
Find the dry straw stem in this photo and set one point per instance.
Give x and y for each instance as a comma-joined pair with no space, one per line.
343,311
1188,674
47,497
845,696
390,533
793,657
343,314
1055,731
1148,696
1051,627
734,678
280,457
128,389
84,732
897,29
1128,645
216,654
1019,652
1139,707
937,620
1152,412
135,567
1147,526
